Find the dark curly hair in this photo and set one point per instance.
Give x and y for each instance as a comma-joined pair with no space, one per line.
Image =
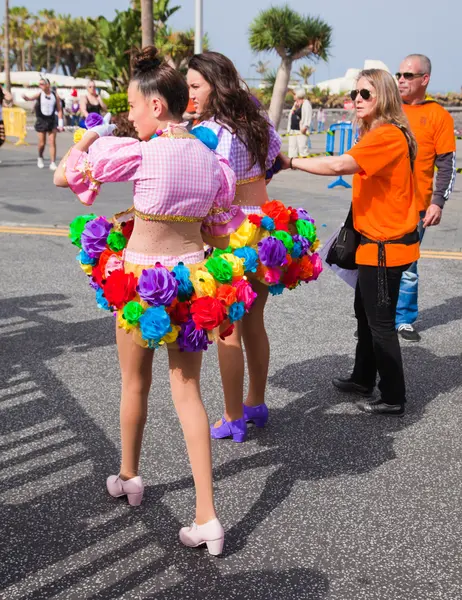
231,104
154,76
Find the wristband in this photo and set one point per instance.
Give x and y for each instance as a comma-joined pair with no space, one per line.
60,123
291,166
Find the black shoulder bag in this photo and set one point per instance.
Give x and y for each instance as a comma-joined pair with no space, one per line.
343,250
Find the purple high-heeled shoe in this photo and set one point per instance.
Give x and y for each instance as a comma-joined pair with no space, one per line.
258,415
235,429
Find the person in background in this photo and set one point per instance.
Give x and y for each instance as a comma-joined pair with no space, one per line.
433,128
298,125
6,100
91,102
190,114
75,108
47,104
385,213
321,119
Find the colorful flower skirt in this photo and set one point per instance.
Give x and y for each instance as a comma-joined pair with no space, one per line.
179,301
278,246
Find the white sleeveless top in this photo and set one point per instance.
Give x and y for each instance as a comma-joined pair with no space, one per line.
47,104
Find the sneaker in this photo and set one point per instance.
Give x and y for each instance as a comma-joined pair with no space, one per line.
381,408
408,333
40,163
53,166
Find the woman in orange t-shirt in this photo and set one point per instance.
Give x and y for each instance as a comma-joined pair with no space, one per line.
385,214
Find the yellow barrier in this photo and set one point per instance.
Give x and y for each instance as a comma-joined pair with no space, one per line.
15,124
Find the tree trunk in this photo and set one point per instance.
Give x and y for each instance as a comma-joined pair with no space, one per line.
23,58
48,58
147,23
7,46
29,55
279,91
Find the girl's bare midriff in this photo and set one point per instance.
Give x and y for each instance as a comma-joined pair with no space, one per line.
165,238
251,194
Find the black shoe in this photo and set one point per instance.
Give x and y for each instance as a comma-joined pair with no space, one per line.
347,385
381,408
408,333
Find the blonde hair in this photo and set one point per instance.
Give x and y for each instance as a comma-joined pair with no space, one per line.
389,108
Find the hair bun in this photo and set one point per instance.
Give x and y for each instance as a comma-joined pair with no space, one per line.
146,60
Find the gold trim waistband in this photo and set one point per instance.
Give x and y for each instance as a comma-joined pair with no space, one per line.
250,180
172,218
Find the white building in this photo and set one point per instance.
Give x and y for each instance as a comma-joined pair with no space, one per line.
348,81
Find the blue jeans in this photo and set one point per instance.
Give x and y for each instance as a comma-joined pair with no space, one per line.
407,309
321,127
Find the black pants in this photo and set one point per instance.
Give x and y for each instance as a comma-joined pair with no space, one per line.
378,345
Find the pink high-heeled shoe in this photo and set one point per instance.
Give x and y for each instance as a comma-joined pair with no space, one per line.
132,488
211,533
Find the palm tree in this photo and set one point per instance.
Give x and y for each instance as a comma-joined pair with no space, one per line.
261,67
147,23
19,17
305,73
49,31
7,47
177,47
292,37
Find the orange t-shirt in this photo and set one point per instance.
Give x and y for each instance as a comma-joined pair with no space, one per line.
433,128
384,204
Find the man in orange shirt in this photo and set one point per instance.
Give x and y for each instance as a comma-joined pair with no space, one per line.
433,128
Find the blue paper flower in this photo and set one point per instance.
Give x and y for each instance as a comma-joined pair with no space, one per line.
236,311
296,250
206,136
154,324
185,286
276,289
101,300
250,256
85,259
268,223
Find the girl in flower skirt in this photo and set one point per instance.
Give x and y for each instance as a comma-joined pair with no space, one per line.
277,243
151,272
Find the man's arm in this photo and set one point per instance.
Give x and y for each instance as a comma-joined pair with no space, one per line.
31,98
445,177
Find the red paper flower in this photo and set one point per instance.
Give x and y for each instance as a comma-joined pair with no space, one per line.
179,312
277,211
105,256
207,313
293,214
127,228
227,332
255,220
120,288
227,294
281,225
292,276
98,276
306,268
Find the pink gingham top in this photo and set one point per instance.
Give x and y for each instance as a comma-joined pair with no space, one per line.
175,178
237,154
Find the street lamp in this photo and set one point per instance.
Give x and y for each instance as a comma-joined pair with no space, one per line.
199,30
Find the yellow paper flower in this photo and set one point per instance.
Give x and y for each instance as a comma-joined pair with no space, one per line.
78,135
238,264
123,323
169,338
204,283
244,236
86,268
315,246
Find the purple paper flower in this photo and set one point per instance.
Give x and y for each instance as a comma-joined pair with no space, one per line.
303,241
94,236
304,215
93,120
157,287
272,252
191,339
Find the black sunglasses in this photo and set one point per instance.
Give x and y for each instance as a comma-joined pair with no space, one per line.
408,76
365,94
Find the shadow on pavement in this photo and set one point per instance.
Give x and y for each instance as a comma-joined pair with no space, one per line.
442,314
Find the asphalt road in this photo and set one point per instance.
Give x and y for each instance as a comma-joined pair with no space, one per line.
323,504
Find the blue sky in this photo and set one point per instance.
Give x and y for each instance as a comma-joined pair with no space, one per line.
375,29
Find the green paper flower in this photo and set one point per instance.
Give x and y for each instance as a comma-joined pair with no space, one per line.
220,268
132,312
217,252
306,229
285,238
77,226
116,241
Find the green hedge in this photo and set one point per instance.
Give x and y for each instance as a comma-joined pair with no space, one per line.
117,103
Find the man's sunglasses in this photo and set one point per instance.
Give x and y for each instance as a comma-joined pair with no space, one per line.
365,94
408,76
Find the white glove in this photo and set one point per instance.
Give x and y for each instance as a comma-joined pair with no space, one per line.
103,130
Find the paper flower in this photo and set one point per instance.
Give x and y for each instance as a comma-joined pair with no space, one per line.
191,339
272,252
154,325
94,236
157,286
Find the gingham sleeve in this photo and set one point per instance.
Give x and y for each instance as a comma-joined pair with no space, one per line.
274,146
109,159
224,217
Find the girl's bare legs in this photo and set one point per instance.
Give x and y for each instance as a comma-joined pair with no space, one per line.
185,370
256,346
231,357
136,369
